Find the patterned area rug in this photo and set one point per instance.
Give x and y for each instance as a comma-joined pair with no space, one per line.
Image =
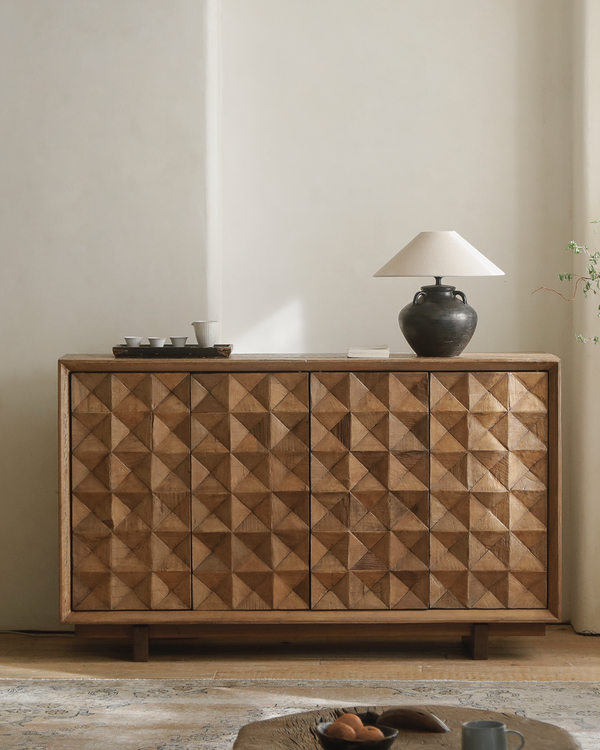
207,714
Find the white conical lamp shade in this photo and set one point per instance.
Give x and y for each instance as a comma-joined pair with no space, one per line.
439,254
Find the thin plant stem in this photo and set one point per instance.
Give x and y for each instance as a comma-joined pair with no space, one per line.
567,299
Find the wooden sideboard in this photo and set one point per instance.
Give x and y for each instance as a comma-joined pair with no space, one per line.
318,496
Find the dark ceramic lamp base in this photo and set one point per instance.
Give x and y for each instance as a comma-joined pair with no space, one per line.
438,322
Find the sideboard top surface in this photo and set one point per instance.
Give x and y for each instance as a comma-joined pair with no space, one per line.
310,362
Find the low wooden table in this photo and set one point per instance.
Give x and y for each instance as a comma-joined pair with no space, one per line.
295,731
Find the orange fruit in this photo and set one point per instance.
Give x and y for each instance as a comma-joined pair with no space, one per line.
352,720
369,733
340,730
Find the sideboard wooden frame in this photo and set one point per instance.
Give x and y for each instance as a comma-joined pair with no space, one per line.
467,622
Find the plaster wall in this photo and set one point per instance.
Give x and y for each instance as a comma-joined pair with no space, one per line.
581,442
346,127
349,126
102,230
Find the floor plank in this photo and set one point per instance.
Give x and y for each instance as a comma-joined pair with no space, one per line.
561,655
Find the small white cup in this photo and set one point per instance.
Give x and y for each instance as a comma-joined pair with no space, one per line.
206,332
178,340
133,340
156,341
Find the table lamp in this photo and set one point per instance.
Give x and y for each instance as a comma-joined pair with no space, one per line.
438,322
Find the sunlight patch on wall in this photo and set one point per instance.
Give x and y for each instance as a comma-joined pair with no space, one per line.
283,332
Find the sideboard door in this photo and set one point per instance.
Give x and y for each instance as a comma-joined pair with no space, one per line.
370,497
250,491
130,499
489,490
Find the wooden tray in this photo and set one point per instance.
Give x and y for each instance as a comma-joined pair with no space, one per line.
168,351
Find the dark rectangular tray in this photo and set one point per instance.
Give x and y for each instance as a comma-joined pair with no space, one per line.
168,351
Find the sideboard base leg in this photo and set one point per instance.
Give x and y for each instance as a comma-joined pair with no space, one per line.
141,643
478,642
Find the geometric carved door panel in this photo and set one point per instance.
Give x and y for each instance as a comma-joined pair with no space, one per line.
250,491
369,505
130,497
489,478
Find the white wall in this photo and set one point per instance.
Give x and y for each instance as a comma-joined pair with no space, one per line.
582,441
102,230
351,125
348,126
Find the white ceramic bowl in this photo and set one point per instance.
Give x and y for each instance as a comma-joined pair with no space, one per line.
178,340
156,341
133,340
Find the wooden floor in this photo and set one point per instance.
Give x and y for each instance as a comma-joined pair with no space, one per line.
560,655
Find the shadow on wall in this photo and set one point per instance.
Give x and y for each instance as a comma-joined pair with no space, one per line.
29,527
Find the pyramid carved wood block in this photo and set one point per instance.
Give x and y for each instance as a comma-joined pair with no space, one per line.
130,502
489,480
250,491
370,474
